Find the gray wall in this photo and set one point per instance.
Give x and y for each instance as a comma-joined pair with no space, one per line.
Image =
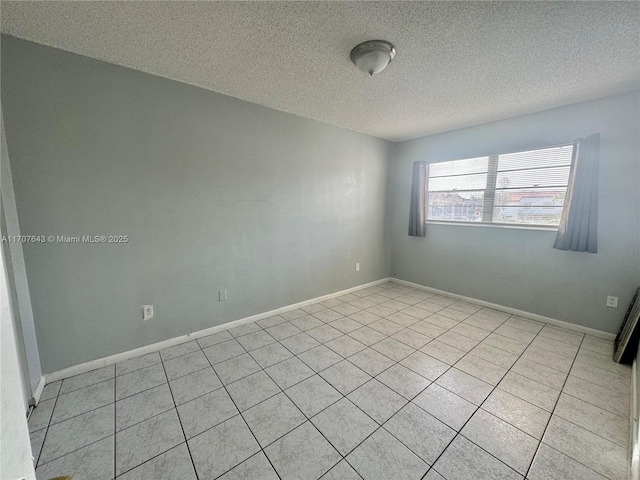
17,275
219,193
517,267
213,193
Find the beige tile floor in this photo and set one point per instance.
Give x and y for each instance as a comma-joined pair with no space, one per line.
384,383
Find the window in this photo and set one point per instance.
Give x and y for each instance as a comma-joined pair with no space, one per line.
523,188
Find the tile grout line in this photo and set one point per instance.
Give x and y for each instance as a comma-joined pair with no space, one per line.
88,411
459,432
344,396
343,333
38,464
137,423
564,454
86,386
551,413
261,450
318,373
113,402
526,358
381,425
343,457
278,341
157,415
233,338
73,451
593,405
607,372
549,421
326,323
307,419
175,406
409,401
595,385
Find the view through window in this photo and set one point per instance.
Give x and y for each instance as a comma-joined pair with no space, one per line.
524,188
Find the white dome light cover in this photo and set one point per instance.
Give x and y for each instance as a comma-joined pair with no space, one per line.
373,56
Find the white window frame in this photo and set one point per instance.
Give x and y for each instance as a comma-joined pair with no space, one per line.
489,192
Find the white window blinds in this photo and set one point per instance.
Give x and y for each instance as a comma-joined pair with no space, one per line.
524,188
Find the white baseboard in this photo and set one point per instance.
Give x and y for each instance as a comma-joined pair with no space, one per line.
154,347
119,357
512,311
38,392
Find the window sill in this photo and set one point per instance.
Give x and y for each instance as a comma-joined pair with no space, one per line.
494,225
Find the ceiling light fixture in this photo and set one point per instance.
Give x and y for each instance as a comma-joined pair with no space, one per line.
373,56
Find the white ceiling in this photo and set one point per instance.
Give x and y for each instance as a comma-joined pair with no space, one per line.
458,63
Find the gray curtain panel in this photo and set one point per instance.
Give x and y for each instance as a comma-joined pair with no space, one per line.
417,210
578,230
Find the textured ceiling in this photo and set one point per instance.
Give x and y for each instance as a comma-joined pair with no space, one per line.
458,63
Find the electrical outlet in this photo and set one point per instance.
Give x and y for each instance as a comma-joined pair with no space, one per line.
147,312
357,267
222,295
612,302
